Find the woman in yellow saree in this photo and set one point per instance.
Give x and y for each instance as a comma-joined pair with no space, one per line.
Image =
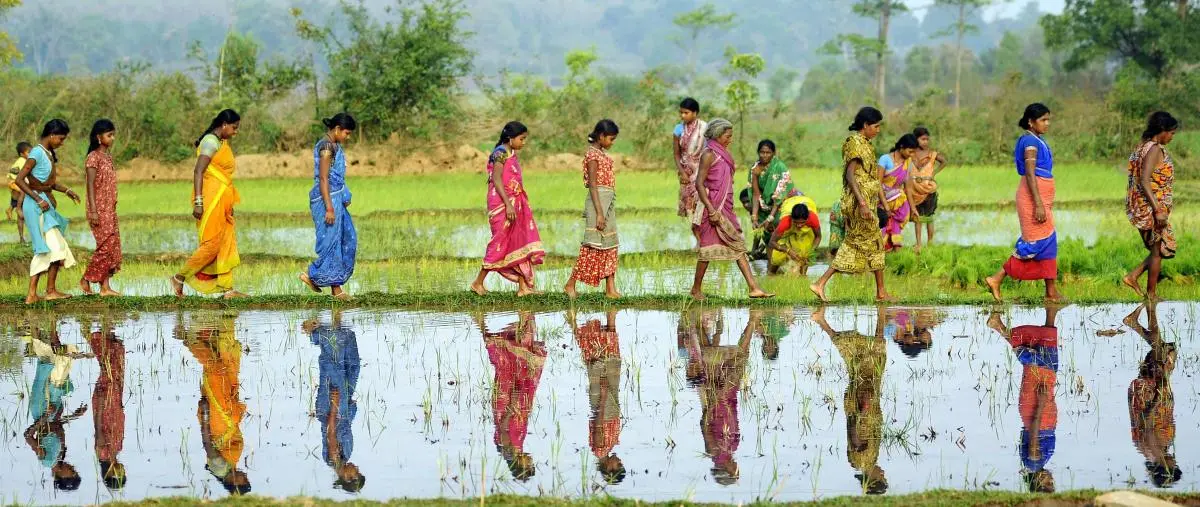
210,268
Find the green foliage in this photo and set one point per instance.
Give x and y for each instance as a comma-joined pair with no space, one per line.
740,93
238,77
1156,35
401,75
696,22
8,47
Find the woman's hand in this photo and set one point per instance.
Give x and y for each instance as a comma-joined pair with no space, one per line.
43,204
346,204
510,213
330,217
93,218
864,211
1160,219
74,197
1039,214
714,217
198,211
600,223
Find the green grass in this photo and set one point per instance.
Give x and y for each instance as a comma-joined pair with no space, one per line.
938,497
563,190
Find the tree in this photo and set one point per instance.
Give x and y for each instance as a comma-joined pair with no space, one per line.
960,28
740,93
881,10
8,47
1155,35
696,22
240,79
395,74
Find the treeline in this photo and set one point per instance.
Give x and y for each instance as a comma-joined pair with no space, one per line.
406,76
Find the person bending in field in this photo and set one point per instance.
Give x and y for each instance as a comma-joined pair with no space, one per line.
794,240
38,181
922,183
329,202
102,210
598,254
14,202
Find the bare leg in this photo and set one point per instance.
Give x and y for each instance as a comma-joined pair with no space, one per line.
1153,274
31,296
338,293
570,287
525,287
881,294
1131,280
929,229
52,292
755,291
819,287
21,225
993,282
477,285
177,285
610,287
698,280
86,287
1052,294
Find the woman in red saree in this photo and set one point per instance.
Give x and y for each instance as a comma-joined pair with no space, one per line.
102,210
516,246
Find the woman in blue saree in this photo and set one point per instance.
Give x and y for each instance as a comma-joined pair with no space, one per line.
337,240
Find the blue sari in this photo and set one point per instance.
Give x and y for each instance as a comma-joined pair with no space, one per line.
37,221
337,244
340,365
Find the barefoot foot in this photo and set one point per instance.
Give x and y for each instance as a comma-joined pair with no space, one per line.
233,294
570,291
177,286
994,285
1133,284
885,298
760,294
343,296
612,295
698,295
108,293
309,283
56,295
86,287
819,291
1057,299
478,289
32,298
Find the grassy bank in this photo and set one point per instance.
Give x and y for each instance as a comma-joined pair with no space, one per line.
938,497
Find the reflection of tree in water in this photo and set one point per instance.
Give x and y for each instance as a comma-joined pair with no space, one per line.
717,371
108,401
213,342
601,349
517,359
1152,402
1036,348
865,358
336,407
51,385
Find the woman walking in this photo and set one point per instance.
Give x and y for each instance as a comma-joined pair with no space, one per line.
896,166
1036,254
329,202
598,253
210,268
719,232
516,246
1150,198
38,180
861,248
688,143
102,210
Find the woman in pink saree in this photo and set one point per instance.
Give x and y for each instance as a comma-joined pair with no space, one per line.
897,166
516,246
716,226
688,143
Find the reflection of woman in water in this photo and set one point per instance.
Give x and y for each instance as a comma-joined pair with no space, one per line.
51,384
335,405
865,357
1152,402
1036,348
717,371
518,360
220,410
912,329
108,403
601,350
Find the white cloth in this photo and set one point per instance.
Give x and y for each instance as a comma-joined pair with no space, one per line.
59,251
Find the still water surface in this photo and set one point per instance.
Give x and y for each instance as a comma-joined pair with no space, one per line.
709,404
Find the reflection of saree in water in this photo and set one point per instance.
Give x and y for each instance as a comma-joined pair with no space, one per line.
216,347
210,268
865,358
1037,351
108,396
339,368
518,362
1035,256
601,352
515,247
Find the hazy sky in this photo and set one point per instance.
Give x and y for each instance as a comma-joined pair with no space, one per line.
1005,9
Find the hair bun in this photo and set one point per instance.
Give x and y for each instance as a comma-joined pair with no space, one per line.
328,122
591,139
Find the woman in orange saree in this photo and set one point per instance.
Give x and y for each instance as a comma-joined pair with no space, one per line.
210,268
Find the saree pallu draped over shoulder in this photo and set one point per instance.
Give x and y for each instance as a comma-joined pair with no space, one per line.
210,268
516,246
337,243
862,243
720,240
691,145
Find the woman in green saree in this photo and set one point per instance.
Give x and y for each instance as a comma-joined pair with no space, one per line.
770,184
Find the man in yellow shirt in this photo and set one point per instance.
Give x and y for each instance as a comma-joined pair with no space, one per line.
14,203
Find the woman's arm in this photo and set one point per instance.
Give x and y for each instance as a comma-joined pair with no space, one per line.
678,157
592,168
864,210
941,161
326,162
23,184
510,213
816,238
1149,162
756,197
706,162
1039,211
90,179
198,185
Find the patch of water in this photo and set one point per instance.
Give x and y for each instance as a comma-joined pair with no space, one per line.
713,404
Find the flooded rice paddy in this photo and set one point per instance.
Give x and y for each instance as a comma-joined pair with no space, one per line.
715,404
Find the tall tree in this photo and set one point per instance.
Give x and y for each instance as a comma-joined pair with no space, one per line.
881,10
8,49
961,27
696,22
1156,35
741,94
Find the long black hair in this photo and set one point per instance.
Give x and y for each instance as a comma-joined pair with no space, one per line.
221,119
1032,113
605,127
1159,122
866,116
343,120
511,130
906,141
101,127
56,127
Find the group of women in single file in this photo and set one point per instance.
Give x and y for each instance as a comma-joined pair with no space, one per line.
880,196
